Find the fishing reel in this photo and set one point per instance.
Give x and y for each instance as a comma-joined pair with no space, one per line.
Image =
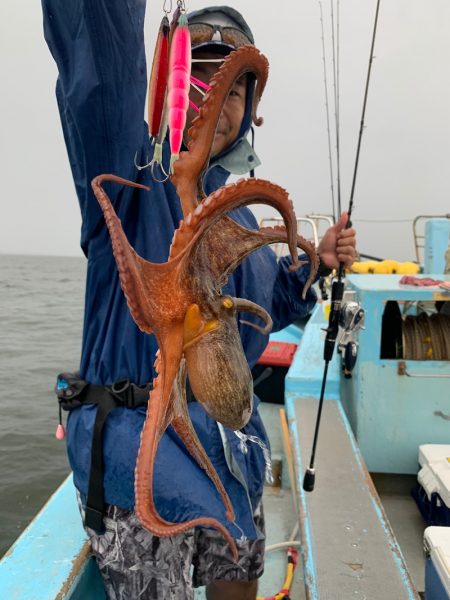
351,320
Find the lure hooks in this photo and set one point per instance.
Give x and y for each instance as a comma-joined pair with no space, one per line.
151,164
168,95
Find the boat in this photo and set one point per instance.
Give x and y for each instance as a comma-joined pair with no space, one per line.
360,533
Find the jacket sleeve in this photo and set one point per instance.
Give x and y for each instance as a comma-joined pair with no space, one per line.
287,302
98,47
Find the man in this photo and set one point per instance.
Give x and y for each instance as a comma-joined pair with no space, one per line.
99,50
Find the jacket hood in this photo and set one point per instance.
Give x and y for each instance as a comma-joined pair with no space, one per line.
240,157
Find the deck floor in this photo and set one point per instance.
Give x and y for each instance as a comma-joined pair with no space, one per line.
394,491
406,521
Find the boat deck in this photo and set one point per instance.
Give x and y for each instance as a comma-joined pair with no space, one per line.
351,549
405,519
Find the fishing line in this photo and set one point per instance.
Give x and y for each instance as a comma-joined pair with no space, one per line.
337,290
383,221
361,128
338,108
327,110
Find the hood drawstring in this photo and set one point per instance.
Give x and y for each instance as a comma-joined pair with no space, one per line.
252,171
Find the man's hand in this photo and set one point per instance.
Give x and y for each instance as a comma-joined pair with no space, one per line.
338,245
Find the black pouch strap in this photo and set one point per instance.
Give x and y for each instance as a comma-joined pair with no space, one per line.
94,502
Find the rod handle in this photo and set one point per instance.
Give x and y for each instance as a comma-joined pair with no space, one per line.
309,480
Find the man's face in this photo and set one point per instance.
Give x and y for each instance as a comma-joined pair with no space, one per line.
234,108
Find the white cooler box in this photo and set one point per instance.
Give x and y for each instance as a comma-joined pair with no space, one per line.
432,493
437,567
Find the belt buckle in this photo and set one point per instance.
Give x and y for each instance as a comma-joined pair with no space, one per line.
123,390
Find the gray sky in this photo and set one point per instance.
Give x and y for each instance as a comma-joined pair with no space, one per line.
404,164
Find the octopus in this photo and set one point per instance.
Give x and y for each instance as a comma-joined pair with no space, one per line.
181,303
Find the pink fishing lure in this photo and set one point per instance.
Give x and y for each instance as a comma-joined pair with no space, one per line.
158,79
178,86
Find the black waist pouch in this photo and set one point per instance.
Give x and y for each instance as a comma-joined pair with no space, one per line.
73,392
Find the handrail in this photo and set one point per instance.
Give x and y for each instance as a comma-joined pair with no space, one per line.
319,217
280,249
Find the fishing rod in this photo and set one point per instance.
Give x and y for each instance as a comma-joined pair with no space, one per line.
327,110
335,49
337,290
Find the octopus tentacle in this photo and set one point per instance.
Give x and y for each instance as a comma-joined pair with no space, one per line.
243,305
228,198
145,507
279,234
140,279
190,165
124,254
182,425
159,414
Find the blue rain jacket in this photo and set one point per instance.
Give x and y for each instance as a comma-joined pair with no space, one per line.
98,47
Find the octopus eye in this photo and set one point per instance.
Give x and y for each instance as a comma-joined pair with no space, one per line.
227,303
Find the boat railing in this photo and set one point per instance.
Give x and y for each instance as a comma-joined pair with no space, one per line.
323,222
311,233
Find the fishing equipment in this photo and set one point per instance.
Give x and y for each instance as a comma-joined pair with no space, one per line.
426,337
335,46
158,116
414,336
158,79
337,289
351,320
178,86
327,112
201,88
157,93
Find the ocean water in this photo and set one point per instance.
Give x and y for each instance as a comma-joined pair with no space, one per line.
41,309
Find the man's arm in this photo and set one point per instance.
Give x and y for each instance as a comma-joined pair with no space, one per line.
98,46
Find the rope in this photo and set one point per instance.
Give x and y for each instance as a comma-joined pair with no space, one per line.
283,594
426,337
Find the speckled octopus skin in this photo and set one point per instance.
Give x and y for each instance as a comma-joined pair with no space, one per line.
180,301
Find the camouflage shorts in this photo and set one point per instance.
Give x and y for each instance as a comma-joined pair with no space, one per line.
136,564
